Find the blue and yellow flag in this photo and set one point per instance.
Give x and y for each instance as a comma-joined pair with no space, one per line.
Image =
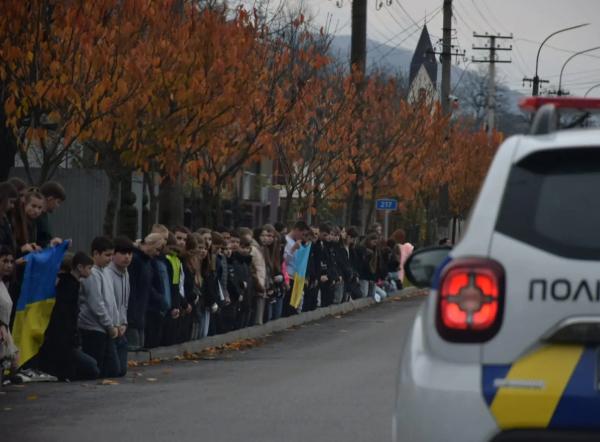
300,265
36,300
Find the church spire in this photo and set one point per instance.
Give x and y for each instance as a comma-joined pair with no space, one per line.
424,56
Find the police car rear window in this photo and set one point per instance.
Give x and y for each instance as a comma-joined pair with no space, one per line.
551,202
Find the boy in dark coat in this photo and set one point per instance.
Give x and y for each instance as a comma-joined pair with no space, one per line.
141,276
243,285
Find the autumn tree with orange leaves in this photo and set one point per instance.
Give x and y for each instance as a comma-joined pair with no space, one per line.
67,68
196,95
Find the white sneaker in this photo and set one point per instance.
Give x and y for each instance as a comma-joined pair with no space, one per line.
31,375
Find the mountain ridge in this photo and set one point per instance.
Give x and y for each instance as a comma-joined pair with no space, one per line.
397,59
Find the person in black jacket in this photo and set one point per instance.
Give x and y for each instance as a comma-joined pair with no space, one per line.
341,259
328,272
141,275
238,266
60,354
349,242
8,200
367,262
191,286
244,282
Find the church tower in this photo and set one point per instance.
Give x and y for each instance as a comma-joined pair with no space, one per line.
423,70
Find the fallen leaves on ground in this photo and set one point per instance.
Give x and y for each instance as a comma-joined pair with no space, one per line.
32,397
108,382
412,294
133,364
211,353
7,409
151,379
154,361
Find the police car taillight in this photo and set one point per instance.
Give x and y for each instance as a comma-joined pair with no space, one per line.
471,300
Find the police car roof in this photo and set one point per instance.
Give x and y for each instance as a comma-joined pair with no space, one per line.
562,139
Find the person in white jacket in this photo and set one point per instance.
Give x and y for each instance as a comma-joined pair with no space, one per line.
98,320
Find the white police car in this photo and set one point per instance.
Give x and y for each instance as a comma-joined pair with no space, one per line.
506,347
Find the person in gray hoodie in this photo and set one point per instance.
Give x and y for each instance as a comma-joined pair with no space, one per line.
98,320
117,272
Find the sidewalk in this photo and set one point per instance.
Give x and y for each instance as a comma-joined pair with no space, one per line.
259,331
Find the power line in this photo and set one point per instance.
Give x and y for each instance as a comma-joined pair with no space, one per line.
380,24
520,60
491,14
581,83
462,20
410,35
467,15
567,51
393,16
592,73
403,31
397,45
406,13
482,16
402,21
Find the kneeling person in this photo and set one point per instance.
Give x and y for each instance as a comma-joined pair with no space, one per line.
60,354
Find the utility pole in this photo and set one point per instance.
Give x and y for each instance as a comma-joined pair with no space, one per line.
358,51
446,56
448,51
358,63
492,46
536,81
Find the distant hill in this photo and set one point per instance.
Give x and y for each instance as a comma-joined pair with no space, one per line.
397,59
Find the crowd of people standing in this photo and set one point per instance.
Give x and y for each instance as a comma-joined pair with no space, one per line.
175,285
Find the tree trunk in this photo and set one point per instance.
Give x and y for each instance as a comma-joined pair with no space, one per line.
170,210
287,207
371,208
356,209
207,202
111,206
218,206
154,201
110,162
8,143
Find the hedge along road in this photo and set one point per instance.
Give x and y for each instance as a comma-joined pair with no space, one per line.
330,380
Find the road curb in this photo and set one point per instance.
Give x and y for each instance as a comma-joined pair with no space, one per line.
259,331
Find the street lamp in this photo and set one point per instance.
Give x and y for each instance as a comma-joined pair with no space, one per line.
536,78
591,89
560,91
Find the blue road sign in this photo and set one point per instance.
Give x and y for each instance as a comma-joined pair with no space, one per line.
386,204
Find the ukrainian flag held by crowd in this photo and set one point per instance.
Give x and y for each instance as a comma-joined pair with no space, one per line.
301,263
36,300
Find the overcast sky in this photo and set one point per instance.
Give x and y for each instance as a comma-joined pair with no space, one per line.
530,21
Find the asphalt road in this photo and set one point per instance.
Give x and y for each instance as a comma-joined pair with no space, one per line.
333,380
